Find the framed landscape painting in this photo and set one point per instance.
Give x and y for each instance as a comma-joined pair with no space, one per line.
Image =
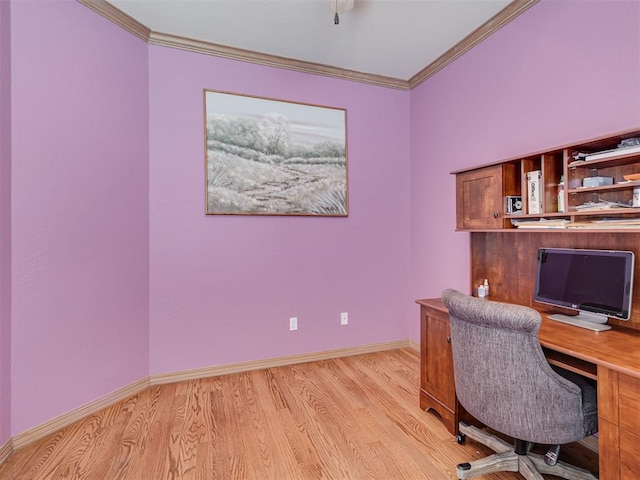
272,157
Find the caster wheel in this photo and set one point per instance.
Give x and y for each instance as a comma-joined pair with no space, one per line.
461,438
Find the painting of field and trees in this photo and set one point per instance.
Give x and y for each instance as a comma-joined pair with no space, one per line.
270,157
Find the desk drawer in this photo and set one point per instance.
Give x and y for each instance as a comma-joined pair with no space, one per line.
629,455
629,403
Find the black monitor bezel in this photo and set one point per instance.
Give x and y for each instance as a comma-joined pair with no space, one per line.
624,313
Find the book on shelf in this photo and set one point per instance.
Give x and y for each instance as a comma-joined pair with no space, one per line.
534,195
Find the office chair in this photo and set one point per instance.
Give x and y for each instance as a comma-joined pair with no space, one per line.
503,379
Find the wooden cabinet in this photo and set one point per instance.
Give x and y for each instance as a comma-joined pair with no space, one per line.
481,190
620,192
479,196
619,425
437,387
595,216
610,359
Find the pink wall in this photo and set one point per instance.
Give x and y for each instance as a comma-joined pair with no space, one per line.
5,222
562,72
79,211
117,272
223,287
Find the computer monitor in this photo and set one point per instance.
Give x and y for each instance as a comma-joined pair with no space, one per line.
597,283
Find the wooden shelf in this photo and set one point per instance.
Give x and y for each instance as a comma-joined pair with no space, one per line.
538,215
481,191
552,230
616,161
605,188
571,363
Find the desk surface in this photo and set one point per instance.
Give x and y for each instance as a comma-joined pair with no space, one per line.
617,349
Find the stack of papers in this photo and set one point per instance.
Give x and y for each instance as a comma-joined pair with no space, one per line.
612,153
609,223
604,205
541,223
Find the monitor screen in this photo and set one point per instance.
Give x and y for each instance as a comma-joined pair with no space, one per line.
598,281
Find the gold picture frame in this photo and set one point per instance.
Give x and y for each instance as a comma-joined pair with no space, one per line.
273,157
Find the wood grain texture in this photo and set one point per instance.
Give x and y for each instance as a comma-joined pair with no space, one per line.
508,260
346,418
437,391
609,438
6,449
68,418
629,454
479,198
555,164
40,431
629,403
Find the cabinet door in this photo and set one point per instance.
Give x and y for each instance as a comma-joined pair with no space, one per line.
479,198
629,456
629,406
437,368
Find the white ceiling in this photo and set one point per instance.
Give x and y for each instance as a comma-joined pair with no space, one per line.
393,38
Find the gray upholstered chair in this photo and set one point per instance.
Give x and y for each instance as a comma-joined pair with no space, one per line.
503,379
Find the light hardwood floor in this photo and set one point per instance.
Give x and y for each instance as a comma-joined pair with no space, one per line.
347,418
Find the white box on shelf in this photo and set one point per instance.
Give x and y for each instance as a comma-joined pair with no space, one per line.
597,181
534,193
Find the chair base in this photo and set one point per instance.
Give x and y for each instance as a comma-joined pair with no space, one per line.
531,466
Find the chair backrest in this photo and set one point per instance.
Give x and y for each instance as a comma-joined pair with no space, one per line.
502,377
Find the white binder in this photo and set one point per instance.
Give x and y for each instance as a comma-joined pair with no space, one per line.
534,191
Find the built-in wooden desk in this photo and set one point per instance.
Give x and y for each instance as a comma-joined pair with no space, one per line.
611,357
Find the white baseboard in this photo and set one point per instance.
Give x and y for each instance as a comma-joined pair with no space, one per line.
36,433
6,449
205,372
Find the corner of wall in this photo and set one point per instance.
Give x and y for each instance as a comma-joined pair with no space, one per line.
5,224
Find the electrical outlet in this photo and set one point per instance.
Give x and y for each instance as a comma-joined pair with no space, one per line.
293,323
344,318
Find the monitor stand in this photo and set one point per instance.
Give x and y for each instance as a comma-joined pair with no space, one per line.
588,320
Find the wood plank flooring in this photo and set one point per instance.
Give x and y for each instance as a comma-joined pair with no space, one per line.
347,418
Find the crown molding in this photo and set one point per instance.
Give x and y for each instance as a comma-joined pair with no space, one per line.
504,16
117,16
207,48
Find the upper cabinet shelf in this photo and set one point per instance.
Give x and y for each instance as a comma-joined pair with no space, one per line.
589,185
604,188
